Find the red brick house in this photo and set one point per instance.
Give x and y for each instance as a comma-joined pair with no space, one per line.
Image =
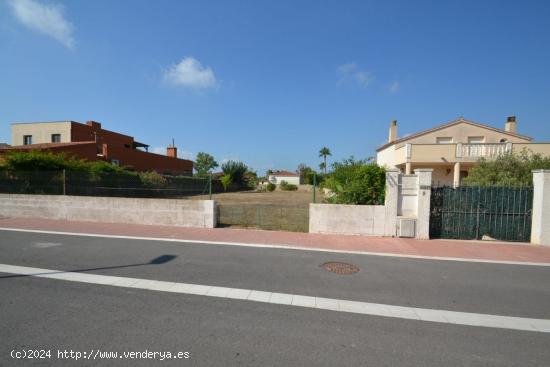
91,142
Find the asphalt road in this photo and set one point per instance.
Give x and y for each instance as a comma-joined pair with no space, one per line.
53,314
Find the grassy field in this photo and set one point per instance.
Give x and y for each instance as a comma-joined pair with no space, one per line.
280,198
277,210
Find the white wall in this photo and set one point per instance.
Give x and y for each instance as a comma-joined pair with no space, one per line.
540,227
386,157
291,180
367,220
168,212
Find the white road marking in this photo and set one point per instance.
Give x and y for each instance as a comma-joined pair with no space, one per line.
283,246
364,308
47,244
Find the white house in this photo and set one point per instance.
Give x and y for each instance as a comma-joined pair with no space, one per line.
290,177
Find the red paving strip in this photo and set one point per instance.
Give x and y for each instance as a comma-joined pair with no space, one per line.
474,250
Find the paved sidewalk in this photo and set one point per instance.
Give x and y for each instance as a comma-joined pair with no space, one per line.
468,250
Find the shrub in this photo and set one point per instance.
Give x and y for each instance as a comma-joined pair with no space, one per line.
271,187
226,180
356,182
285,186
507,170
152,179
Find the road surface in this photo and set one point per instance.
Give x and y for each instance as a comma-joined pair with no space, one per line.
95,316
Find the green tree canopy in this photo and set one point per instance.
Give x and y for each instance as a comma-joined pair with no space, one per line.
510,169
236,170
204,163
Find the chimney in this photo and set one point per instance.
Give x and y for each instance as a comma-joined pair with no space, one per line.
393,131
94,124
172,152
511,125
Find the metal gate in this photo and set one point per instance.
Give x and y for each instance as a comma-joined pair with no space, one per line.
502,213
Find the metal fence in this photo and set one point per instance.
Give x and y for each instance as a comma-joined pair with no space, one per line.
465,212
270,217
106,184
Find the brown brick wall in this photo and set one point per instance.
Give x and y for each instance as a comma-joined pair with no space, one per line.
81,132
144,161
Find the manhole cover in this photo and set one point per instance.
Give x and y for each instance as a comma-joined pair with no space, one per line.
340,268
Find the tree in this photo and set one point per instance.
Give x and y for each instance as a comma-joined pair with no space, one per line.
323,166
236,170
226,180
324,152
305,173
510,169
204,163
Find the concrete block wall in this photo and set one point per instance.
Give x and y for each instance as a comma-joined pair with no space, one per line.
367,220
169,212
540,226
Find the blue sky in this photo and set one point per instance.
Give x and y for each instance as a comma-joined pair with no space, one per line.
271,82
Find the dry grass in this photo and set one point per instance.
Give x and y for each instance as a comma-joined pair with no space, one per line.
301,197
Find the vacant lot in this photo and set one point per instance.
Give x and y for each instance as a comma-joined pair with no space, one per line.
277,210
282,198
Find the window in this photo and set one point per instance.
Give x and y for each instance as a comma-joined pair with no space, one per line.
444,140
116,162
56,138
476,139
504,140
27,139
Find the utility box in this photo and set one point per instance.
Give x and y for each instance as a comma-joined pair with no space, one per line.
406,227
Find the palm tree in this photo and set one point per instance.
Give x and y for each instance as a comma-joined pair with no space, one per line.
323,153
323,167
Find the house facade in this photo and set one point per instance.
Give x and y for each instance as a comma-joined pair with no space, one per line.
91,142
452,149
278,176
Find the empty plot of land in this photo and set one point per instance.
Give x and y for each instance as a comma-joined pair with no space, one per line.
277,210
302,197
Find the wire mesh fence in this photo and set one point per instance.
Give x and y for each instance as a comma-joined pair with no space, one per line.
269,217
107,184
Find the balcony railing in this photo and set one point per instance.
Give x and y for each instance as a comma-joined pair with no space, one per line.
462,152
479,150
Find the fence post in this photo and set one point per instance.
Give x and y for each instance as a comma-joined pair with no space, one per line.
64,183
314,186
423,207
210,187
540,230
391,202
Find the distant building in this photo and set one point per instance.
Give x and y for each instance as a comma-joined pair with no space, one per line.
290,177
91,142
4,145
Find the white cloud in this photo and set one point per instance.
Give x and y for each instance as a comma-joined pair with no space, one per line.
394,87
350,71
44,18
190,73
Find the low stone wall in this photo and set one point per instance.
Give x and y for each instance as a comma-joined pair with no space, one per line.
366,220
169,212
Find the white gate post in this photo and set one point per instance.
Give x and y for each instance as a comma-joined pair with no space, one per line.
423,208
392,192
540,226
